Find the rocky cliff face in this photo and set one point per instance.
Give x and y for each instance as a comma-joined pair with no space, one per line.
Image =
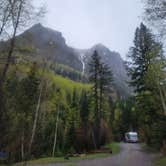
51,45
114,61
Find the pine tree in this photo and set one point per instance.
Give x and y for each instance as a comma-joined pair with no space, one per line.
146,68
100,77
72,123
84,108
105,81
94,78
139,55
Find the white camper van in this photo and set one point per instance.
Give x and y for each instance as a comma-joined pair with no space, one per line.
131,137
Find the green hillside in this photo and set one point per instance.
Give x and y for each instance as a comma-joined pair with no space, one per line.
59,81
67,84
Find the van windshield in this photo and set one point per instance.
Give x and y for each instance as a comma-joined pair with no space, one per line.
133,137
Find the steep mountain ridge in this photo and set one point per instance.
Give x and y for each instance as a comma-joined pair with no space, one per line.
51,45
48,44
114,61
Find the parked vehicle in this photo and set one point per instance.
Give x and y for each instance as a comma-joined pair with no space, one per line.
131,137
3,158
3,154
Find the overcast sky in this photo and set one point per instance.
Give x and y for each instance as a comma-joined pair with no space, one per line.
88,22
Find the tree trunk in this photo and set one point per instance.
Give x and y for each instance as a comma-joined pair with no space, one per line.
2,110
93,138
55,136
162,100
35,120
22,146
164,147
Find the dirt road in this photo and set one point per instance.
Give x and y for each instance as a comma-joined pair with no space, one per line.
130,155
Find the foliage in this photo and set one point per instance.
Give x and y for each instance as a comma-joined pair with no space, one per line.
48,160
147,70
68,72
114,147
124,118
66,119
101,78
21,94
161,162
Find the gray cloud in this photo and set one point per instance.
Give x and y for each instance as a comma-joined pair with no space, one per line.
87,22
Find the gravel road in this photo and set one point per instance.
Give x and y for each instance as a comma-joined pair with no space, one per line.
130,155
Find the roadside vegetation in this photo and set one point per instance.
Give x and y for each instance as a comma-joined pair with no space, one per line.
161,162
48,160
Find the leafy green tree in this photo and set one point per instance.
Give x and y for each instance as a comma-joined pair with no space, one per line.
11,91
72,124
21,93
25,105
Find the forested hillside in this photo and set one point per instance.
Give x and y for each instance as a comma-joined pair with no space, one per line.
47,114
50,105
39,43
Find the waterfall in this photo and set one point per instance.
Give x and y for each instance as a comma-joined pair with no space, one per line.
83,63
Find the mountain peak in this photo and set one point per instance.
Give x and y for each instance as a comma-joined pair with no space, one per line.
100,46
44,35
40,28
36,26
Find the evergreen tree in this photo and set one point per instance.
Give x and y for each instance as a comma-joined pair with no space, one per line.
84,108
146,68
72,122
94,78
105,82
140,55
101,77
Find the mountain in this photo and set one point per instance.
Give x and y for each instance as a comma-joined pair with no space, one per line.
49,44
114,61
39,42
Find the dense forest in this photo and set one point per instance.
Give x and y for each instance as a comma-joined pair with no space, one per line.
48,109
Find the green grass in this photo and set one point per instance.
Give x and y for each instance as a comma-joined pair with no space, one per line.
62,160
161,162
115,149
